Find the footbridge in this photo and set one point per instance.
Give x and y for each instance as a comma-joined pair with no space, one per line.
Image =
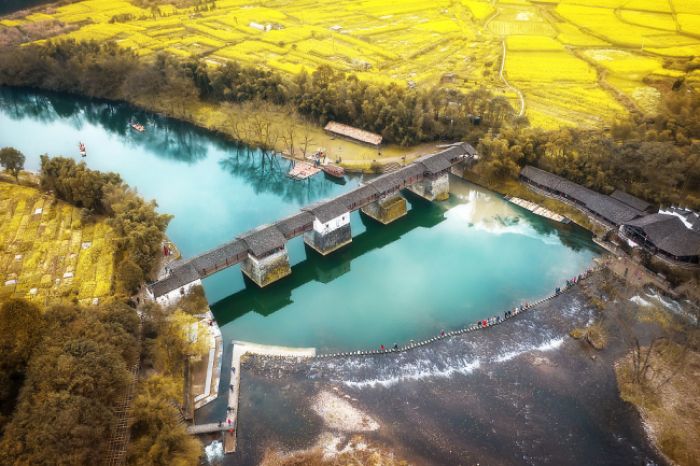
325,225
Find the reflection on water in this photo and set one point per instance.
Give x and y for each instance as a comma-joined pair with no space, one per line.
440,266
326,269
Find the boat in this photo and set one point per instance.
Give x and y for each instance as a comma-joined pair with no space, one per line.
138,127
334,171
83,151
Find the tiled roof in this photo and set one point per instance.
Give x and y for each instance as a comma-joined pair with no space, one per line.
669,234
178,277
434,163
353,133
328,210
263,240
610,209
294,223
630,200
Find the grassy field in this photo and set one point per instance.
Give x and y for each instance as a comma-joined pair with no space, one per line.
558,52
47,254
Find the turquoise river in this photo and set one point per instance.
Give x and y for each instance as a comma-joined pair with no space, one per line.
440,267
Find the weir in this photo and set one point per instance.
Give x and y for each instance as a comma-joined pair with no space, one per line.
325,225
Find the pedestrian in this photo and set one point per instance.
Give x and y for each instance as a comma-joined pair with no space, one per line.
381,347
442,333
220,423
396,346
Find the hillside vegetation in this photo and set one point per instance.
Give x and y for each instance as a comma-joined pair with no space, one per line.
575,62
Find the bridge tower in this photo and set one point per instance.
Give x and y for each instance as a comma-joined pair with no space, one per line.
435,185
331,227
267,259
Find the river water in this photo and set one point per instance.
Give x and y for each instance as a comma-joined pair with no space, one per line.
441,266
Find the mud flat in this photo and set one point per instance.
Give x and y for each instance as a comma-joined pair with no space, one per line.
519,393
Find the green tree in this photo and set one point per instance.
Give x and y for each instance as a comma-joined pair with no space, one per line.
21,330
129,276
12,160
157,435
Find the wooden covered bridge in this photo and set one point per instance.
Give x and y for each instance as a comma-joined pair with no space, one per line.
325,225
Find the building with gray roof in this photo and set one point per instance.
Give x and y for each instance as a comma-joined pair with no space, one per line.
604,208
264,240
633,201
666,235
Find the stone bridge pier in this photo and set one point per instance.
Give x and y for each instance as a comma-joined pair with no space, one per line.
433,187
331,227
267,260
387,208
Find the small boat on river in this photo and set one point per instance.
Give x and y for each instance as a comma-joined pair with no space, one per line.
83,151
138,127
334,171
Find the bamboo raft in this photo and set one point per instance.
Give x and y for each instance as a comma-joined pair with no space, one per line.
302,170
538,210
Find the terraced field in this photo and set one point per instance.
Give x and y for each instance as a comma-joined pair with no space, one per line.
47,254
577,62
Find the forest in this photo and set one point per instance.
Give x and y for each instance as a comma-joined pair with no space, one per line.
654,156
64,372
139,226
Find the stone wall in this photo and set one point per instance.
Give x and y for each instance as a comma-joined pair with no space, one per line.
267,270
328,242
437,189
386,209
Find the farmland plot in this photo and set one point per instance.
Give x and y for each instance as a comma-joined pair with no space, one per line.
570,59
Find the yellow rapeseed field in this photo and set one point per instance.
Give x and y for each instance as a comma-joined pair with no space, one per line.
571,59
47,254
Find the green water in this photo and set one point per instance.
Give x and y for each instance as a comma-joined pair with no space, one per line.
441,266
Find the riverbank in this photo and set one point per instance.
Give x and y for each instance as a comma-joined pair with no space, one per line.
242,123
514,188
452,401
667,399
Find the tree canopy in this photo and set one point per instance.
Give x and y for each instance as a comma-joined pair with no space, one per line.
12,160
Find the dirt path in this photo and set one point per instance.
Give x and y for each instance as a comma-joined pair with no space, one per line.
509,85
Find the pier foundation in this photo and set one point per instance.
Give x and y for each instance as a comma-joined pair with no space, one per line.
265,270
433,188
326,237
386,209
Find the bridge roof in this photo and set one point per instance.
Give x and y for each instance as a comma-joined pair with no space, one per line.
179,276
457,151
327,210
219,255
435,163
263,240
357,196
386,182
409,171
294,222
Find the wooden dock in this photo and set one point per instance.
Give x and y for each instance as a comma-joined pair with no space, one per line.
538,210
302,170
239,349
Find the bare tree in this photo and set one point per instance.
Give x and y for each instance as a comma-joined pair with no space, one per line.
306,139
288,138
